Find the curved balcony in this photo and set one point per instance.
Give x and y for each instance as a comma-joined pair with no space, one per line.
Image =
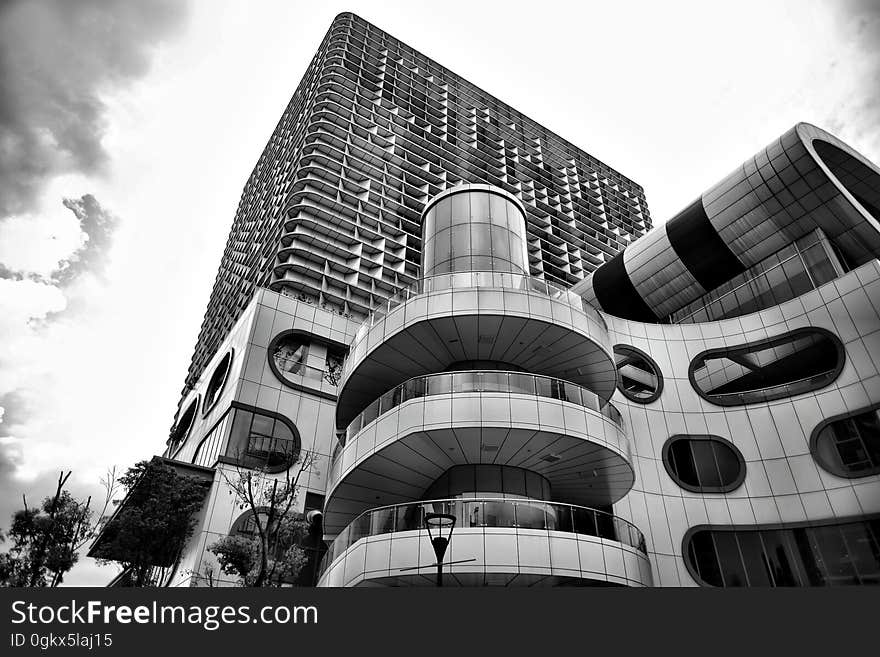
476,381
465,316
527,421
520,542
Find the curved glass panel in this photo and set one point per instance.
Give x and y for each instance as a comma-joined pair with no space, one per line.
517,383
488,512
639,378
218,380
474,231
791,364
849,445
829,554
262,441
289,354
704,464
478,479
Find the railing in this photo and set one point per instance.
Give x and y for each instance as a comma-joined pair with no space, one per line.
488,512
769,393
471,279
519,383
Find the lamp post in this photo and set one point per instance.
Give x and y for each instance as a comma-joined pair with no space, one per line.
440,526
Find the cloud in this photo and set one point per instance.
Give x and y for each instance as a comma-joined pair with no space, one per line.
97,225
854,116
61,64
57,59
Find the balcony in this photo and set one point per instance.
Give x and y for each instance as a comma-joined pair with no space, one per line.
512,542
396,448
449,318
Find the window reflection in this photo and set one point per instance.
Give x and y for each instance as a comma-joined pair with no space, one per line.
639,378
832,554
261,441
703,464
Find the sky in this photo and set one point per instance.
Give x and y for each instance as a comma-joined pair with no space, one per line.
128,130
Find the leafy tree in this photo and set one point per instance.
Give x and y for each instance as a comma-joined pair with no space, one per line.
155,521
46,539
271,555
242,556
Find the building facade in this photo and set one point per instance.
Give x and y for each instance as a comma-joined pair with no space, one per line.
451,310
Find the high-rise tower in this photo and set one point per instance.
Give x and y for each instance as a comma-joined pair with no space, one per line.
374,130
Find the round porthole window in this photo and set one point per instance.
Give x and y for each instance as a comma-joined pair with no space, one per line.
638,377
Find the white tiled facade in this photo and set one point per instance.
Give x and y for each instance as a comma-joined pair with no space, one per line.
396,367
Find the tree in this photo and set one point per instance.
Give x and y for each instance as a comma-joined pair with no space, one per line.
155,521
46,539
270,553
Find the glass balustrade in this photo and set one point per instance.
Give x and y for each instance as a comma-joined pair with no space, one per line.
477,279
516,383
488,512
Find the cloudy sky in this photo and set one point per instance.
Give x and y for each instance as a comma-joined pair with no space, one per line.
128,129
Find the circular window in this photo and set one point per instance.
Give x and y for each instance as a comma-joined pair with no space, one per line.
704,464
287,355
184,425
218,380
639,378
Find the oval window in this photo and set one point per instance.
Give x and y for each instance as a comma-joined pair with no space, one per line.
184,424
791,364
796,554
704,464
848,445
287,356
639,379
262,440
218,380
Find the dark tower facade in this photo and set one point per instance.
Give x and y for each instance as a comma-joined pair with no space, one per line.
331,212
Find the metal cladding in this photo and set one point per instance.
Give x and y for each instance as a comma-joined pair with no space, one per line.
806,179
331,212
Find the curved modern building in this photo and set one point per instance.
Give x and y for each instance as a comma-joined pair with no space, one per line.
432,305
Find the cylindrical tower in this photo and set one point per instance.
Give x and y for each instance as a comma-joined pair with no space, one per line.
474,228
481,393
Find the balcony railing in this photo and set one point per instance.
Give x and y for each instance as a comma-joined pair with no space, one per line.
488,512
472,279
518,383
769,393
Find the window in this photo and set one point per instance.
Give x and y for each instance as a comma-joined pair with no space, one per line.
830,554
848,445
218,380
639,378
791,364
262,440
287,355
181,429
704,464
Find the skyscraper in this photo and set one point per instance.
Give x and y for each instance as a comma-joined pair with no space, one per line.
435,310
374,130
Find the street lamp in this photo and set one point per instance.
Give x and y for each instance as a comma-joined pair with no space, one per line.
440,526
